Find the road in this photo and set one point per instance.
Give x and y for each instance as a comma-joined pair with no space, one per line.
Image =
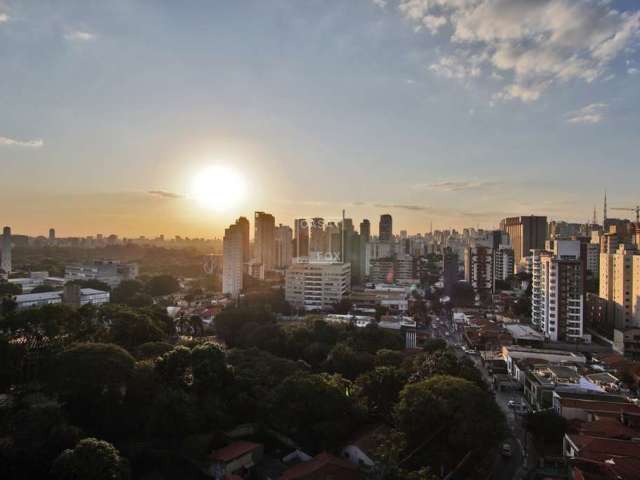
506,468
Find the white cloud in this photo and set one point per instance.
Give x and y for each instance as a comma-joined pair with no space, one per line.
534,43
80,36
633,71
380,3
4,18
12,142
593,113
455,185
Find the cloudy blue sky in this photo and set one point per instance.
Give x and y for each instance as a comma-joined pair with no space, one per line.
456,112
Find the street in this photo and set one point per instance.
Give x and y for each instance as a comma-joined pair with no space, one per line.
506,468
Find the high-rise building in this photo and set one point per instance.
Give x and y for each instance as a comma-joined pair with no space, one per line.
385,228
301,240
284,246
317,286
620,287
526,234
558,301
5,261
243,222
478,269
317,241
365,230
449,271
503,262
232,260
265,229
52,235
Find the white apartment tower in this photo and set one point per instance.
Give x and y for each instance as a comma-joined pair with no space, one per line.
232,260
558,291
620,286
265,228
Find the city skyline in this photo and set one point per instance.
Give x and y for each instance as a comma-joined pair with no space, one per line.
403,107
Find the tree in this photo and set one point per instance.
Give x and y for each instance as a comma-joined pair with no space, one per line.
162,285
91,459
459,416
434,344
90,379
130,328
43,289
445,362
378,390
173,415
463,294
343,307
91,283
209,367
174,367
152,350
314,411
388,358
546,426
348,362
7,288
126,290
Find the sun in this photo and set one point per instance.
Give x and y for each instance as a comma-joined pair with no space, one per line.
218,188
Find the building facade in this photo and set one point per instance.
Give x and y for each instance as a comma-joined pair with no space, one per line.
526,233
317,286
232,260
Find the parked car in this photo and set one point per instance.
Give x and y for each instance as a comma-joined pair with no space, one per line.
513,404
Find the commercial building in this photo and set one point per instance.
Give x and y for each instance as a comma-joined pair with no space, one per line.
385,228
111,272
232,260
317,286
265,231
71,295
283,246
301,241
526,233
449,271
243,223
5,259
503,263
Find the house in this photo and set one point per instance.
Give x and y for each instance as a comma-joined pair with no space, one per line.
234,459
361,449
591,406
323,466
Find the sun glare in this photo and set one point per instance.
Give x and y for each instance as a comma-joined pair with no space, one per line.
218,188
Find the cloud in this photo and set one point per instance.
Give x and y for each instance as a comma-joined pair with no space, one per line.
380,3
4,18
633,71
12,142
455,186
413,208
163,194
593,113
80,36
533,44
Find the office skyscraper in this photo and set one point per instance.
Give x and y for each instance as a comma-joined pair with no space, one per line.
526,233
301,240
265,230
5,263
385,230
365,230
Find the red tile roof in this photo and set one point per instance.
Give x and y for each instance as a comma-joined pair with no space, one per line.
599,406
598,448
323,465
233,451
608,428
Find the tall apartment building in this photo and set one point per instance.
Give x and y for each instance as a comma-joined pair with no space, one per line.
232,260
317,286
5,259
558,302
301,241
526,233
478,268
449,271
265,231
243,222
503,263
385,228
620,287
283,246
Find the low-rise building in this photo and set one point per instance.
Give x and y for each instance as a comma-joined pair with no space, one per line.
317,286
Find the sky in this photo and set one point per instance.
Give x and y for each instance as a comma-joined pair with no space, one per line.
448,113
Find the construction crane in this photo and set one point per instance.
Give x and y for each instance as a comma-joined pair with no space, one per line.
634,209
